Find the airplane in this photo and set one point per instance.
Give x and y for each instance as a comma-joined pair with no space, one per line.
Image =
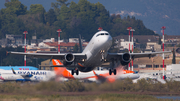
64,74
94,55
18,68
95,75
26,75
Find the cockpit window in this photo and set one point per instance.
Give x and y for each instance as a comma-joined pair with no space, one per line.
102,34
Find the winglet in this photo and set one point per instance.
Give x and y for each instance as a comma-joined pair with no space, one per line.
13,71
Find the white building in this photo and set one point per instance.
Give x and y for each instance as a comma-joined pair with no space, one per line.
75,40
173,69
49,40
125,45
153,45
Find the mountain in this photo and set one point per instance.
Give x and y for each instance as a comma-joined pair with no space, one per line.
153,13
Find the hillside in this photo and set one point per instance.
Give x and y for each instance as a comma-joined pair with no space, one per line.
75,18
154,13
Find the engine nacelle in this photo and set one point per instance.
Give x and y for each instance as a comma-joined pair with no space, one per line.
126,58
69,59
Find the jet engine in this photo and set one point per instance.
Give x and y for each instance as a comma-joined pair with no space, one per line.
126,58
69,58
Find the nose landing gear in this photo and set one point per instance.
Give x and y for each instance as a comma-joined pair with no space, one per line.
102,55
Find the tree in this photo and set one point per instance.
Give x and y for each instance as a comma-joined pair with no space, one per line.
59,3
15,7
36,8
174,57
62,2
64,13
51,16
74,19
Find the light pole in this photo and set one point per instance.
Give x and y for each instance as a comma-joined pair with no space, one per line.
59,30
132,46
25,32
163,28
129,28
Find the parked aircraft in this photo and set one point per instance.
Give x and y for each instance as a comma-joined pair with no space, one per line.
64,74
95,75
26,75
18,68
95,53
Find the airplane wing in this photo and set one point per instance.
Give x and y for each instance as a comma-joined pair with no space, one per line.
50,55
135,55
150,54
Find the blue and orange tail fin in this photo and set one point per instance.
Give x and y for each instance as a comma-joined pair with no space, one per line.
62,71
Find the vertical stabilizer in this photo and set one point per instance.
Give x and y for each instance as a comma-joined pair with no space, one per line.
61,71
80,44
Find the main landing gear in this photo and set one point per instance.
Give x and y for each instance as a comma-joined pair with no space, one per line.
75,71
112,71
114,63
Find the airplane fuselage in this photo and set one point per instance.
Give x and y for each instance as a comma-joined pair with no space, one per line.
96,50
27,75
44,75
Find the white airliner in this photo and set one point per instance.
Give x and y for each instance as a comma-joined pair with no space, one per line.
64,74
26,75
95,53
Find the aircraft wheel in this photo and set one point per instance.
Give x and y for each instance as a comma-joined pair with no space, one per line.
77,72
110,72
114,71
72,72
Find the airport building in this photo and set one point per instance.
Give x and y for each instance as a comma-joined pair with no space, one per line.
45,65
153,64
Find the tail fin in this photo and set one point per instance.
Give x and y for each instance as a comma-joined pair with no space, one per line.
13,71
104,77
58,70
80,43
61,71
